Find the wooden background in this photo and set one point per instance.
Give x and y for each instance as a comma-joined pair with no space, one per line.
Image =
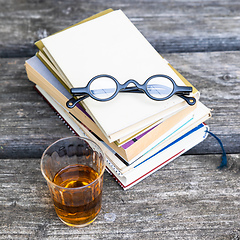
188,199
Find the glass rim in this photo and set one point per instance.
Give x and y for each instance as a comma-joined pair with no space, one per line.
76,188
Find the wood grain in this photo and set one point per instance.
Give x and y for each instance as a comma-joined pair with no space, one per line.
170,26
29,125
188,199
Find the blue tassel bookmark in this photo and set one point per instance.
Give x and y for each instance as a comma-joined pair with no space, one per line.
224,156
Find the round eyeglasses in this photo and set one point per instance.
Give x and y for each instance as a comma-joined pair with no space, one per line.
105,87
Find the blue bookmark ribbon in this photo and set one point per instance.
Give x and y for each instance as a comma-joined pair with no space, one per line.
224,156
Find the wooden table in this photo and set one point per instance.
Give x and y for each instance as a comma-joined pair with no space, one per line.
189,198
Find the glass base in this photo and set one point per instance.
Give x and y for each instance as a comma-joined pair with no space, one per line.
79,226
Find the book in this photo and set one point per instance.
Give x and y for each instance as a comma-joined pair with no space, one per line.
145,168
161,158
111,44
201,114
137,134
40,75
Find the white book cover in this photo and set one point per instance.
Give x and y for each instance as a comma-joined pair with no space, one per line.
112,45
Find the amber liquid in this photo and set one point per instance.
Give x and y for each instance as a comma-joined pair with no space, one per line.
77,207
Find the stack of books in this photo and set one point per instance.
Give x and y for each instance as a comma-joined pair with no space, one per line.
138,134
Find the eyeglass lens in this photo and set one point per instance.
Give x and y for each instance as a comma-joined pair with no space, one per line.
159,87
103,87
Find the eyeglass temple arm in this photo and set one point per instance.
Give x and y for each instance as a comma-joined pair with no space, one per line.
190,100
132,89
71,103
181,91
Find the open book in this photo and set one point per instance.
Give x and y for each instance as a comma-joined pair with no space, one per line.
111,44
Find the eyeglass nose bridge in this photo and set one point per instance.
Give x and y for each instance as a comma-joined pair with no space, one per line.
125,85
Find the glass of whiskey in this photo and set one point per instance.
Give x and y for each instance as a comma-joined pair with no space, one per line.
73,168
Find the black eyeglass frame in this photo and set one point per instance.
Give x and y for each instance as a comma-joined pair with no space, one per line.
85,92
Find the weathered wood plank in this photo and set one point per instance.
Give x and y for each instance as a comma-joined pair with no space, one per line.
216,76
187,199
170,26
28,125
27,122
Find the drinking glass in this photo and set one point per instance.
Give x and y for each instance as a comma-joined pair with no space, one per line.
73,168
